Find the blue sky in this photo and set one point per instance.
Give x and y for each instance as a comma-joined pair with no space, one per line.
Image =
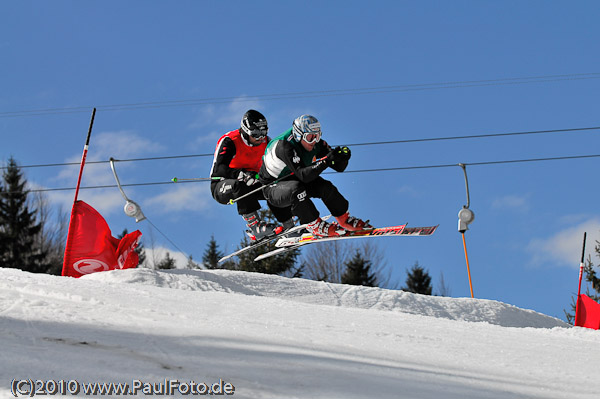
525,243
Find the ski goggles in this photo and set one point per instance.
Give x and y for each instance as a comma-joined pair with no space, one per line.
312,137
256,133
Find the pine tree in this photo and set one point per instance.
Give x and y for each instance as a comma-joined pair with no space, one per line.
211,257
18,225
328,261
51,239
166,263
278,264
358,272
418,280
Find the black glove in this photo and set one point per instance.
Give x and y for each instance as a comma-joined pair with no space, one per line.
247,177
342,153
331,158
338,154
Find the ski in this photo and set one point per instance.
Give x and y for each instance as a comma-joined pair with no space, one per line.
287,243
247,248
275,252
266,240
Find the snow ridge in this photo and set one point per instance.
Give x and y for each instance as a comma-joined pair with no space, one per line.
322,293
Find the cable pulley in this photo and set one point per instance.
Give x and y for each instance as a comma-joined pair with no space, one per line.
132,209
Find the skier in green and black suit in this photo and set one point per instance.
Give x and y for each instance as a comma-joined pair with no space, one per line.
291,170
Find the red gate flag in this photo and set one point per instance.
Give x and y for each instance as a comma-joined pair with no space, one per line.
92,248
588,313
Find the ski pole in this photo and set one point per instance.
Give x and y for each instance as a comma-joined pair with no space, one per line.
234,200
178,179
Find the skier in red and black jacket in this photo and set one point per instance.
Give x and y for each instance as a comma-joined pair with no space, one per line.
234,173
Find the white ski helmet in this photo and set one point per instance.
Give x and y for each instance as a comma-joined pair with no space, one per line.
304,126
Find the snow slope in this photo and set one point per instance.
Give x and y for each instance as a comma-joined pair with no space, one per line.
273,337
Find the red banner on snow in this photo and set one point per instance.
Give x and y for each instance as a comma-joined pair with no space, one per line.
588,313
91,247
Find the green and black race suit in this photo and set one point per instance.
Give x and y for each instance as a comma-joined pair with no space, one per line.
291,177
285,158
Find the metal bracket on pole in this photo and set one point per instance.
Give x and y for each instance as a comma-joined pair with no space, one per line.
132,209
466,217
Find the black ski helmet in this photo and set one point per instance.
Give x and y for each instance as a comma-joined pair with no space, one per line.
254,124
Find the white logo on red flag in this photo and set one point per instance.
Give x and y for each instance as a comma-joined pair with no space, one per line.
88,266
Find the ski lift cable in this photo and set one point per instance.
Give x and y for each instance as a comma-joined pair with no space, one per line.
184,181
307,94
420,140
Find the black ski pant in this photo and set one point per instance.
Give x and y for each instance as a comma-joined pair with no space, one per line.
298,195
229,189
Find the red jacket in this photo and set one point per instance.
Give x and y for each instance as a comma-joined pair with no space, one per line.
233,154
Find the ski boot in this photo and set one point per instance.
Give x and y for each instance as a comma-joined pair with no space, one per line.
321,228
259,229
351,223
287,226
